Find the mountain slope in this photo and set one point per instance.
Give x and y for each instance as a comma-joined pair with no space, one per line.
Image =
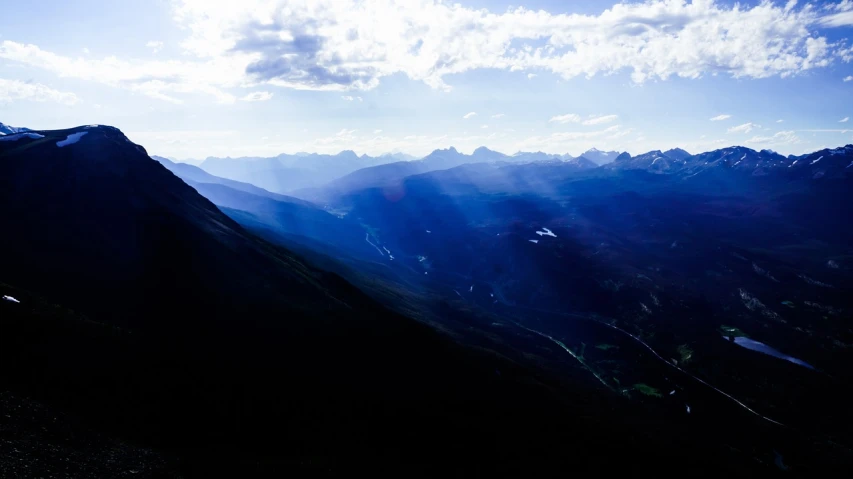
180,330
391,175
284,173
677,154
195,174
9,130
687,255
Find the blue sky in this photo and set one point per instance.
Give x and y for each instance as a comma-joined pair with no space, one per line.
197,78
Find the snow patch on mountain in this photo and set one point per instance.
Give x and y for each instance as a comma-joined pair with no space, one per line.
71,139
18,136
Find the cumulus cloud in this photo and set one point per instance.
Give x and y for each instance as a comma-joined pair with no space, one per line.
14,90
349,45
156,79
257,96
600,119
341,44
745,128
848,78
567,118
531,76
844,120
721,117
470,115
155,46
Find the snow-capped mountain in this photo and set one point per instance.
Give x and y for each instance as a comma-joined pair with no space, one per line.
600,157
826,163
738,158
9,130
654,161
677,154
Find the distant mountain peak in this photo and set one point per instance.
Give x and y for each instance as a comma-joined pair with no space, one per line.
677,154
9,130
600,157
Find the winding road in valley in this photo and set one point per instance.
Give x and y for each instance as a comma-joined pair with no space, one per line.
650,349
738,402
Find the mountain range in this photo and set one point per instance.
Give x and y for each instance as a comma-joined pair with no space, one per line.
8,129
482,314
302,171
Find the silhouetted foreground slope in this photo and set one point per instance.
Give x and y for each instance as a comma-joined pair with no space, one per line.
151,315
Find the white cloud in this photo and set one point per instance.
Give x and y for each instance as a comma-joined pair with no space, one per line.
376,132
844,120
484,126
721,117
257,96
155,46
600,119
156,79
498,116
780,138
180,140
745,128
842,6
563,141
85,51
14,90
567,118
531,76
827,131
780,121
848,78
470,115
324,44
352,98
343,137
843,17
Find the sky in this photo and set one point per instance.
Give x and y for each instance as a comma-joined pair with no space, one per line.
199,78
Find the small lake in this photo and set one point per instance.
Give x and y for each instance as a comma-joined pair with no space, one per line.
763,348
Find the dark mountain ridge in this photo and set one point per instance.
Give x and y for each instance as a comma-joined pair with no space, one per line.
181,330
